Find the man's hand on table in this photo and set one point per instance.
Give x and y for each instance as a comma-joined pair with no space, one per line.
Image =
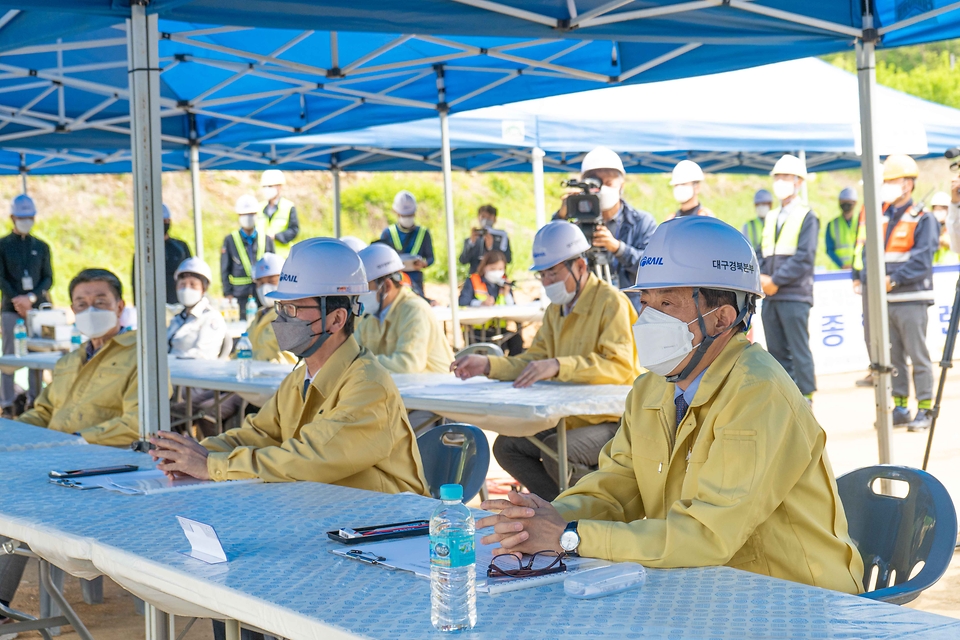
469,366
536,371
21,304
526,524
179,456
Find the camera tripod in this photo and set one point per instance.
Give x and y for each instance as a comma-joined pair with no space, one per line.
946,362
598,261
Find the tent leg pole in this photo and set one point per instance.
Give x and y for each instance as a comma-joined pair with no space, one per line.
144,75
539,199
337,228
804,191
448,211
874,287
23,173
197,212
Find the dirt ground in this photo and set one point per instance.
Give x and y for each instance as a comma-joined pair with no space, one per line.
845,411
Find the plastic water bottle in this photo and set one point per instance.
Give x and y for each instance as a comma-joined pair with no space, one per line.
251,309
453,578
234,310
20,338
244,357
75,339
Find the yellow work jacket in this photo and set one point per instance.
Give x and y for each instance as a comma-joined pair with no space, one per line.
593,343
745,483
97,399
351,429
409,339
264,340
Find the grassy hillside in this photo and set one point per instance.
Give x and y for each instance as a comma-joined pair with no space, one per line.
87,220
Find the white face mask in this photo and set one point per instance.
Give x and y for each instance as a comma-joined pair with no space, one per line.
23,225
189,297
890,192
370,302
494,276
268,193
683,192
940,215
662,341
609,197
405,222
783,189
248,221
557,293
262,292
762,210
95,323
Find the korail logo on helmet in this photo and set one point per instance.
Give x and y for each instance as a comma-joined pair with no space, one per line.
652,260
539,254
286,277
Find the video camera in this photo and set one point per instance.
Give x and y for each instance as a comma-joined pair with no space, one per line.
583,210
950,154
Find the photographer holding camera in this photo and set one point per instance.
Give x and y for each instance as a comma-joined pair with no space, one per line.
484,239
625,231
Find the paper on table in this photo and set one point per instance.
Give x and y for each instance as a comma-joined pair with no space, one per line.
204,541
413,554
144,482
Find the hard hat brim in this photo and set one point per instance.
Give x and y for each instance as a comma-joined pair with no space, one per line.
693,285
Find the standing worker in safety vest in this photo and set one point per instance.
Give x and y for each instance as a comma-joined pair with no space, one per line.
841,235
940,207
910,239
685,180
278,216
397,326
241,250
753,229
411,241
790,236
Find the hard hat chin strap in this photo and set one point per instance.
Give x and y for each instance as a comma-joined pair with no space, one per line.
323,335
707,339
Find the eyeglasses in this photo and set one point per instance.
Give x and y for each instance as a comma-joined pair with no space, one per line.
539,564
553,273
289,310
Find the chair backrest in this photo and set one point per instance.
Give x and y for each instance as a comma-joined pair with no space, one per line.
896,534
454,454
481,349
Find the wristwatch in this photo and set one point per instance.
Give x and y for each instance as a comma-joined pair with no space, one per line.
32,297
570,539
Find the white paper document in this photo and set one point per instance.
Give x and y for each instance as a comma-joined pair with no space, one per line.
204,541
143,482
413,554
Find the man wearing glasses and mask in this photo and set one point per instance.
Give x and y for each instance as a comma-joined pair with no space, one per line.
718,459
337,418
584,339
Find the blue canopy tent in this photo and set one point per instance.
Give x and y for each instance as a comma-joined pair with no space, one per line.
655,39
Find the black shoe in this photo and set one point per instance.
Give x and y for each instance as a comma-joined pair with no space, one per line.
901,416
922,422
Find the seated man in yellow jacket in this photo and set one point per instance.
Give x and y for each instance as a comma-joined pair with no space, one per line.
94,389
398,326
718,460
585,339
338,418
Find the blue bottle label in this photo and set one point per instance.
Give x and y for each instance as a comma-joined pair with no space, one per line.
452,550
244,354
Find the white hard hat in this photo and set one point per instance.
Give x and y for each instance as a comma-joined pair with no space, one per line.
790,165
601,158
404,204
555,242
247,203
354,243
269,265
698,251
686,171
321,267
166,212
940,199
23,207
272,177
195,266
380,260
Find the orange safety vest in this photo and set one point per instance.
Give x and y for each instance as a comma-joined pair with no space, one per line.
481,293
900,242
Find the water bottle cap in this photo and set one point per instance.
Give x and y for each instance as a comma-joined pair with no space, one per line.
451,492
243,335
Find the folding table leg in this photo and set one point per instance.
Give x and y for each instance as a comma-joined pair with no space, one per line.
48,606
57,597
216,400
92,590
233,629
560,455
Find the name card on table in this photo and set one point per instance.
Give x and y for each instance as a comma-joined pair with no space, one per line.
204,541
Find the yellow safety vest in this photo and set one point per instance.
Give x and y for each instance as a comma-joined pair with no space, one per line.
398,245
844,239
239,281
784,242
754,229
276,224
